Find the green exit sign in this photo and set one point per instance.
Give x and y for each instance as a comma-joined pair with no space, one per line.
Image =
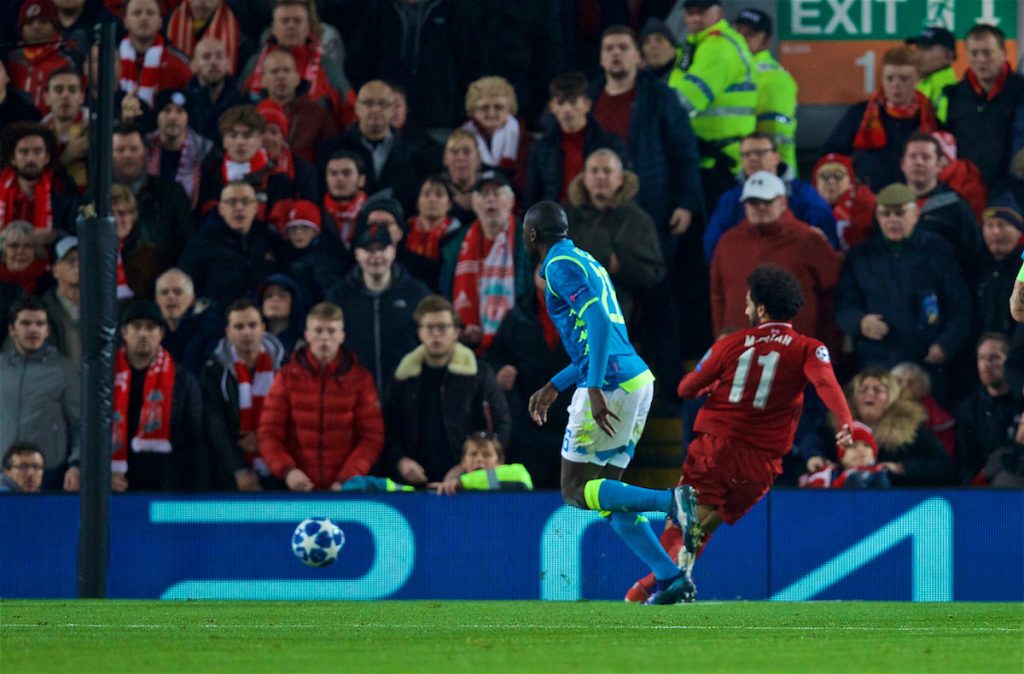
889,19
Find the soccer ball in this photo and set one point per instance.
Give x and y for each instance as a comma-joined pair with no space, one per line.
317,541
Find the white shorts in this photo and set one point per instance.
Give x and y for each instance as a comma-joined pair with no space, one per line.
585,442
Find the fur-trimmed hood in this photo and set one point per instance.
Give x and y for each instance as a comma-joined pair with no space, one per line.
463,363
580,198
898,428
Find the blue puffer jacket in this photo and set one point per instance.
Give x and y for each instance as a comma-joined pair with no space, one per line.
805,202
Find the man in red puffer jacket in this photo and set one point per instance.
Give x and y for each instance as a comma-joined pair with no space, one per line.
321,422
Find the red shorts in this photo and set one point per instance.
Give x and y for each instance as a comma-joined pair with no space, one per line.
729,474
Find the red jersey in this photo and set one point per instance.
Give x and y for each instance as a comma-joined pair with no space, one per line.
755,379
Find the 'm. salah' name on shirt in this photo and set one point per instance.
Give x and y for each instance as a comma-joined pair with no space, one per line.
751,340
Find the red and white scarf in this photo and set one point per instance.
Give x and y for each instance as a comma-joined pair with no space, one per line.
146,83
123,291
188,164
154,429
307,62
222,25
285,162
252,388
485,283
426,241
345,214
15,206
500,148
239,170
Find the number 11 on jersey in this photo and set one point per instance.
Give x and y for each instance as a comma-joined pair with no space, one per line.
768,363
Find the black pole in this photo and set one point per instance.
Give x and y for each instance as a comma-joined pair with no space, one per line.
97,252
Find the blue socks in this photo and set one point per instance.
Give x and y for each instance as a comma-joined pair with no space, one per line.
635,530
621,497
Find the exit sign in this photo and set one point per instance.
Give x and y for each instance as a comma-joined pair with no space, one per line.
889,19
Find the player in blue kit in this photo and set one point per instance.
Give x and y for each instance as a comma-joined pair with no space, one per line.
613,394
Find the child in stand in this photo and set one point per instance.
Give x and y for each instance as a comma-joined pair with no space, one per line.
483,468
857,468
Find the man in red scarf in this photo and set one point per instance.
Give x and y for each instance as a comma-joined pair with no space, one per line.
158,439
980,109
195,19
148,62
310,123
235,382
40,55
28,188
873,132
346,180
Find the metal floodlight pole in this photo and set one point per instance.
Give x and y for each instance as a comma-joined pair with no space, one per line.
97,247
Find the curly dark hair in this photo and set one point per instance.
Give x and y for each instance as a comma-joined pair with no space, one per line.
15,133
777,290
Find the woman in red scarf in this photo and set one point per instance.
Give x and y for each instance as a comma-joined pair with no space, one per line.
22,260
432,221
874,131
853,204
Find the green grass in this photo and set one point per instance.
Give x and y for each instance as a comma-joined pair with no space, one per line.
492,637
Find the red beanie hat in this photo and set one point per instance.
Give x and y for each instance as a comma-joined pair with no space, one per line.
861,432
274,114
834,158
38,9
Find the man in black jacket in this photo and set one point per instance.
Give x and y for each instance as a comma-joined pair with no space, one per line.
441,393
558,157
377,298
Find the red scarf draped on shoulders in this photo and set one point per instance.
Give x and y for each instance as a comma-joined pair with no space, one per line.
15,206
871,133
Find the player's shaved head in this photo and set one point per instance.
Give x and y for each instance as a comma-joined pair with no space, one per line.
777,290
549,220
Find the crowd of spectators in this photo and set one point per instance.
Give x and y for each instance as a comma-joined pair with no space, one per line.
321,271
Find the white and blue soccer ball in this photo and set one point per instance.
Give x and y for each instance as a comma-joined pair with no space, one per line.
317,541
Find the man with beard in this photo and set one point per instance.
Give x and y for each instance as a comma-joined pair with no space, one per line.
69,121
29,189
148,62
175,150
212,89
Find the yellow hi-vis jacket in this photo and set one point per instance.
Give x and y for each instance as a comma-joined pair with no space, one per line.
776,105
715,83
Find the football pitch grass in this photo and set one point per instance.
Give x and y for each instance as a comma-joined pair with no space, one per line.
490,637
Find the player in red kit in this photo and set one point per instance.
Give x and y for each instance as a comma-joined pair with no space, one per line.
755,381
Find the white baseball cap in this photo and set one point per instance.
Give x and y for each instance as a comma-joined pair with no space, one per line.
763,185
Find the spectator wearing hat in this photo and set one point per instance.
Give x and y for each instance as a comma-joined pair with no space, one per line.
308,256
175,150
15,105
852,202
192,325
759,152
284,309
391,162
234,383
998,261
941,210
387,213
40,395
192,21
658,47
378,297
963,175
771,233
321,422
165,219
41,52
234,251
242,157
32,185
982,110
857,468
310,124
936,53
776,88
988,428
557,157
874,132
158,438
149,62
63,302
279,152
69,120
901,295
213,90
486,267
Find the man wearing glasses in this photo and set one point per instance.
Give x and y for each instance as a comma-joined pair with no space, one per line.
901,294
441,392
23,469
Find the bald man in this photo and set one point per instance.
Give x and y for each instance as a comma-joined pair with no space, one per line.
392,161
310,125
212,89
